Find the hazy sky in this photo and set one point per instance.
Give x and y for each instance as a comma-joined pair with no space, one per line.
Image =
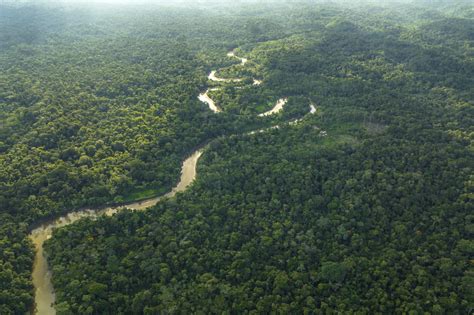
97,1
204,2
183,1
119,1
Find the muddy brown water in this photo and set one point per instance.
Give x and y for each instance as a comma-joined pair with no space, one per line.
44,291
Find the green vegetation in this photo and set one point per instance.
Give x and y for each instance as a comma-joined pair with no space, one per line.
364,207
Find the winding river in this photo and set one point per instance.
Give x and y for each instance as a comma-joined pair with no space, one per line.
204,97
44,291
44,296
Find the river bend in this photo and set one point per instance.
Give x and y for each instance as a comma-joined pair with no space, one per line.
44,295
41,275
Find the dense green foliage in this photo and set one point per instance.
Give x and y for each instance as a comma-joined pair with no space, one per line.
292,225
16,259
98,106
375,217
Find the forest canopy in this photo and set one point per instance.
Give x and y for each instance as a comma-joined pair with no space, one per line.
365,206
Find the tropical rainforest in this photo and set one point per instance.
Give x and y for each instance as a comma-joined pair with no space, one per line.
364,207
